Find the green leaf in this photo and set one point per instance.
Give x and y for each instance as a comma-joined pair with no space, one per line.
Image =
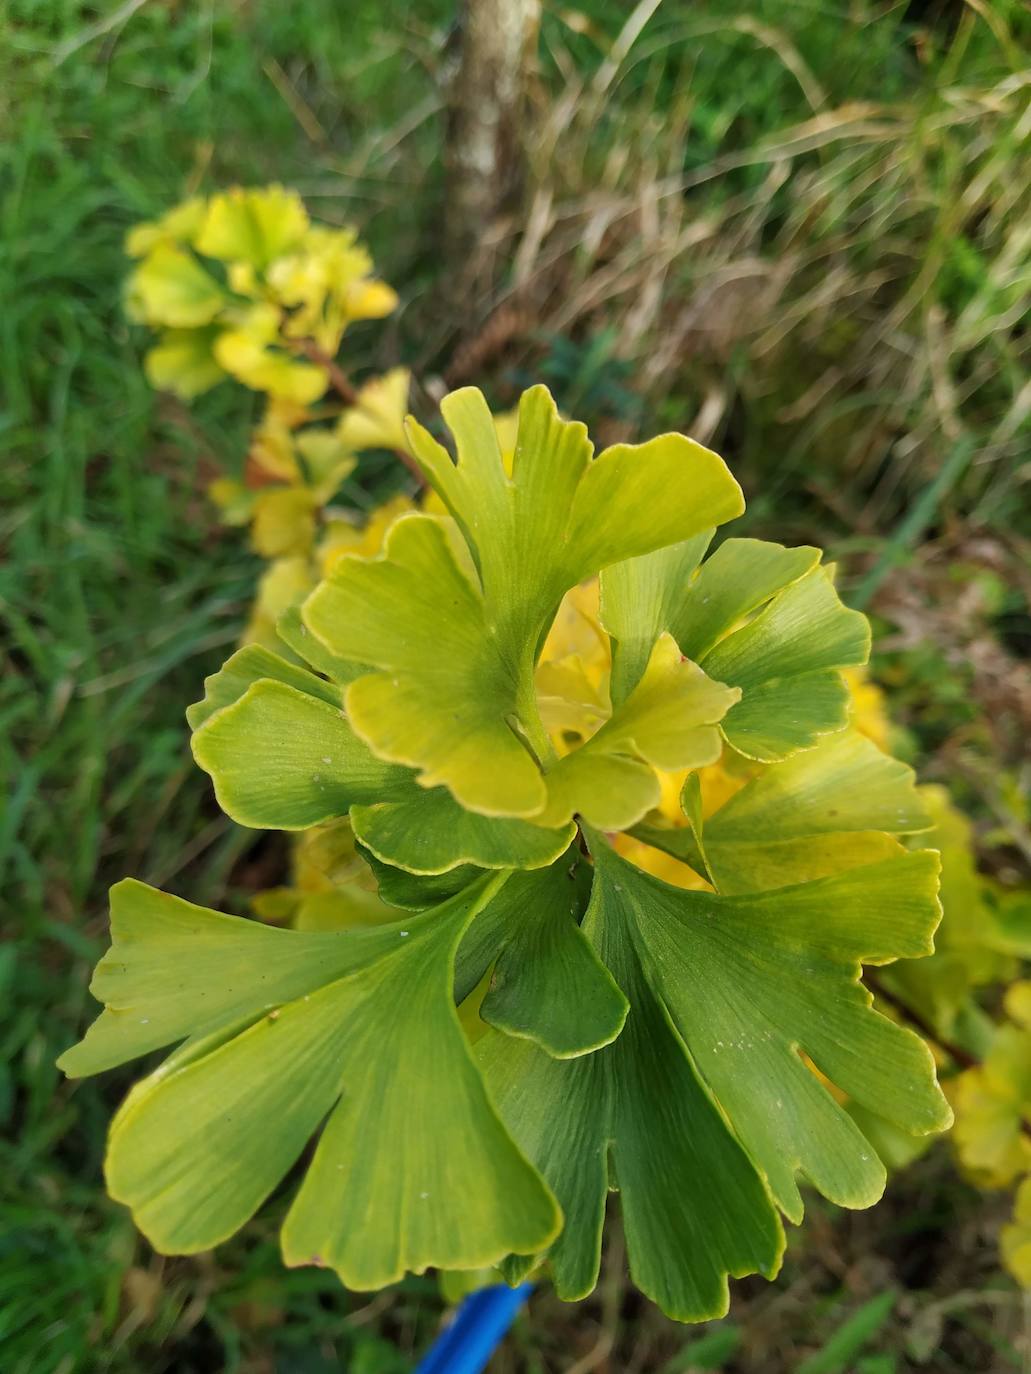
176,970
296,636
640,599
830,808
741,576
752,981
838,1354
429,833
417,892
282,756
284,759
635,1114
451,631
413,1167
785,659
786,662
668,722
442,699
547,984
247,666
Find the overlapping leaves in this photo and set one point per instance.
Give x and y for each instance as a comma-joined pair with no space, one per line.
684,1047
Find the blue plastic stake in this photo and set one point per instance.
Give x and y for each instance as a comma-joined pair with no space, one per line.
478,1328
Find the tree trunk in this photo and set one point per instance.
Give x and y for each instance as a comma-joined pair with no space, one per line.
483,155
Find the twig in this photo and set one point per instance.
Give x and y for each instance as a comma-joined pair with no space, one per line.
345,389
341,385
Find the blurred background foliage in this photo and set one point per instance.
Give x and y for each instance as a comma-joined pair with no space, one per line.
801,232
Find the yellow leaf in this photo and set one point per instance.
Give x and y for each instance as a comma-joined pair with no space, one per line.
1018,1003
183,362
869,713
233,500
180,225
993,1101
263,368
272,449
1015,1239
343,537
171,288
377,420
287,581
253,226
326,461
370,300
284,521
326,283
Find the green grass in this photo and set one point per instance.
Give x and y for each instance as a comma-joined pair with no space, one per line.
118,593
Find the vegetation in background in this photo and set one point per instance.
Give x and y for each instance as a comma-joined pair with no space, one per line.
118,594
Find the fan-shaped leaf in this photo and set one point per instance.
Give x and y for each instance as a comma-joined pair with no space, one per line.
452,636
413,1167
752,982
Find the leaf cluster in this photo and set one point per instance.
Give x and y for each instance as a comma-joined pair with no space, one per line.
493,736
243,285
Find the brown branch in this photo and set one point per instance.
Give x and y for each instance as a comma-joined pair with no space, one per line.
345,389
337,376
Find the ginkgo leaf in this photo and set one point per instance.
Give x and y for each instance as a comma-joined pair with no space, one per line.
253,361
183,362
741,576
429,833
298,638
1015,1238
971,948
326,283
246,667
327,461
444,696
786,662
993,1099
750,982
234,501
285,583
236,969
181,224
255,226
547,984
362,1025
667,722
833,807
419,891
640,599
170,287
635,1116
282,756
370,300
377,418
786,658
283,521
284,759
348,907
452,648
